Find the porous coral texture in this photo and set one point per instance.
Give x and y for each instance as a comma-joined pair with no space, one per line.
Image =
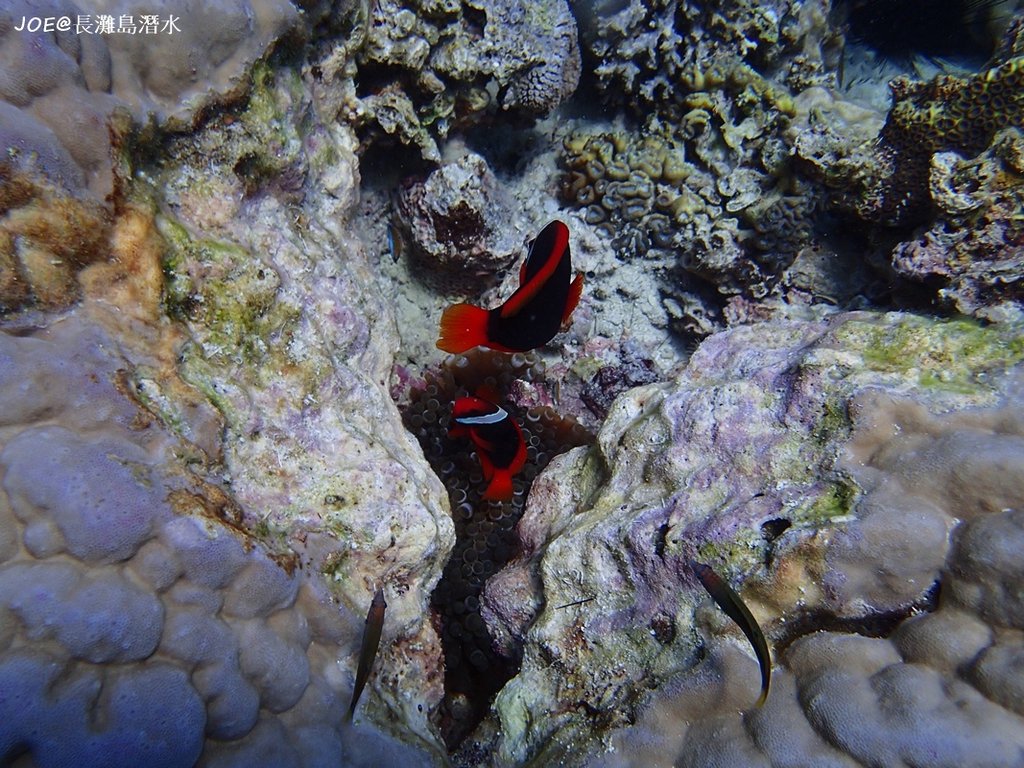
46,237
937,689
140,625
454,224
428,66
976,247
805,463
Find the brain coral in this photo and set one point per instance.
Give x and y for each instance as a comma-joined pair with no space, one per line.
139,627
839,471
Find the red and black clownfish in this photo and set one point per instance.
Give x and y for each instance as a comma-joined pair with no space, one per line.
498,440
532,315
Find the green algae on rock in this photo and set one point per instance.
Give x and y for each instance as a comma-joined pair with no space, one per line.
679,480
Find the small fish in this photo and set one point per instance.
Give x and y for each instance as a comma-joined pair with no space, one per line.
737,610
532,315
498,440
396,245
368,652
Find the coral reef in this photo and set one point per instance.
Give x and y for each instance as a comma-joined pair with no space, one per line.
204,475
886,182
425,67
292,342
477,663
706,191
654,204
974,248
944,160
454,224
59,91
653,57
141,622
737,463
266,411
946,679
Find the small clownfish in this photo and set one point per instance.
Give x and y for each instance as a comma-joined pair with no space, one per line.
498,439
531,316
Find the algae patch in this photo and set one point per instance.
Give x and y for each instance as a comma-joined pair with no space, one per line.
950,355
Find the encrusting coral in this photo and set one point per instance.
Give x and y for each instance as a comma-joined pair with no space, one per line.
139,623
263,493
974,248
61,91
939,688
696,469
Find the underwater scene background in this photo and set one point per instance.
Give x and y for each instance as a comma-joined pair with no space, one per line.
489,383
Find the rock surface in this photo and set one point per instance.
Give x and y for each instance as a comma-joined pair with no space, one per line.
814,464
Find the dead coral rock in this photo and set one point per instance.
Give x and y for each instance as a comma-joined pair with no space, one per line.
976,248
807,462
456,222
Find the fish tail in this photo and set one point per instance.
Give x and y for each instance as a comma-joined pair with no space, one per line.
500,487
463,327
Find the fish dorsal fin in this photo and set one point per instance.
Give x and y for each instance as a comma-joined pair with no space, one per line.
558,235
575,291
